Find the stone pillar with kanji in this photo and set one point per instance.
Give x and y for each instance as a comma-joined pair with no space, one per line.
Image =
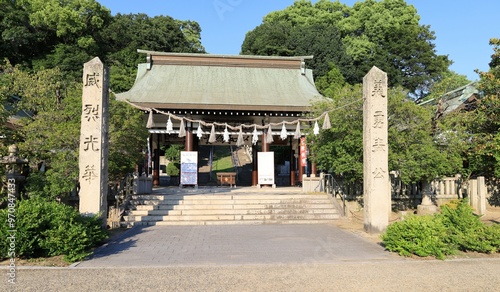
376,184
93,162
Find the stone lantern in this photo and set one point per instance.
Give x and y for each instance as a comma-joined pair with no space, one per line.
14,170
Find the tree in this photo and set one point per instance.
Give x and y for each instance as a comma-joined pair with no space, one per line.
340,149
412,149
386,34
76,24
21,41
128,32
331,83
483,124
127,140
52,134
449,81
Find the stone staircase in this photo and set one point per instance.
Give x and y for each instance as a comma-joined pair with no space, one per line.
230,208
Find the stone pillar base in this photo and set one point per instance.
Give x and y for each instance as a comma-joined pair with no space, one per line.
426,209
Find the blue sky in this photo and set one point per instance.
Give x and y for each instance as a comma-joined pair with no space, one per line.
462,27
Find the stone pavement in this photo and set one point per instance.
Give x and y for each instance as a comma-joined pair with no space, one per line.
151,246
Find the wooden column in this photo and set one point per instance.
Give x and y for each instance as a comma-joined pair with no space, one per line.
156,159
255,177
188,142
314,169
292,164
265,145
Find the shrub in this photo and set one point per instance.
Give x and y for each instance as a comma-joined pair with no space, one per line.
48,228
455,228
466,230
172,169
422,236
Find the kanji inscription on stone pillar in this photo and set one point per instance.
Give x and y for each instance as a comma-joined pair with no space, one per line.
93,162
376,184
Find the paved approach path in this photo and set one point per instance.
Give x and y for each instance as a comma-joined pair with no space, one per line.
235,245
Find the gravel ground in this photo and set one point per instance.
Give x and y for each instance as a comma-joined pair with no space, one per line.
410,275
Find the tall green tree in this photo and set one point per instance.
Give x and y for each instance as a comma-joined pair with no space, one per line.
483,124
386,34
413,151
128,32
54,33
51,135
449,81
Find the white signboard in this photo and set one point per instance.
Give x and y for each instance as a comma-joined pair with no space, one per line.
189,168
265,166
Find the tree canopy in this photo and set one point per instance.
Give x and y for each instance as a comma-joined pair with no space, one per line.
386,34
43,48
412,149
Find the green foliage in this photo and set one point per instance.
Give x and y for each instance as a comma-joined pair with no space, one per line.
128,32
455,228
340,149
173,169
412,149
47,228
466,231
386,34
127,139
173,155
449,81
483,124
331,83
423,236
322,40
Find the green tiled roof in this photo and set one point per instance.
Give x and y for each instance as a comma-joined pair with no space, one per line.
220,86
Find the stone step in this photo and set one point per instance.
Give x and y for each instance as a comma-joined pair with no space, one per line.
232,217
223,222
211,196
242,211
290,201
231,207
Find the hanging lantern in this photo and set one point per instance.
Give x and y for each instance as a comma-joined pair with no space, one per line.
283,134
255,136
297,131
212,137
226,135
151,123
199,131
326,122
316,128
170,126
269,137
182,131
240,142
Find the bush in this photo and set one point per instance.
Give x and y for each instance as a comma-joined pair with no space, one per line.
455,228
422,236
47,228
466,231
172,169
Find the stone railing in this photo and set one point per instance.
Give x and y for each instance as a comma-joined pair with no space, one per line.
406,196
